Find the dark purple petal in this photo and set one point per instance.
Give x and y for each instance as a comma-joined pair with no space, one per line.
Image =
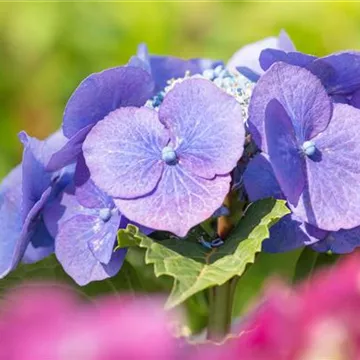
73,252
260,181
285,156
69,152
270,56
301,94
248,73
286,235
103,92
180,201
206,127
165,68
355,99
339,242
36,156
123,152
331,199
248,56
346,77
41,245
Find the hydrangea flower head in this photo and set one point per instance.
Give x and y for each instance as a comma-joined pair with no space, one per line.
310,144
169,169
84,222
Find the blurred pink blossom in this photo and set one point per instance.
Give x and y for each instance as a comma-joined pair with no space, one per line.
50,323
317,320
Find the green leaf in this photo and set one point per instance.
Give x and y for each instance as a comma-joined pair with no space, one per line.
49,270
195,268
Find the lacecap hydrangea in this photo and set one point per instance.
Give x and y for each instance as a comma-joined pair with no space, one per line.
160,142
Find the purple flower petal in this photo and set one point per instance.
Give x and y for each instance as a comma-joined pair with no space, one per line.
301,94
85,199
69,152
141,59
17,234
10,218
284,153
123,152
206,127
270,56
41,245
180,201
103,92
346,78
260,181
73,252
67,207
286,235
331,199
87,193
164,68
248,56
355,99
339,242
62,208
36,156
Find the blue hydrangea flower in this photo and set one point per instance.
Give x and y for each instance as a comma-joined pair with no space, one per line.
290,108
169,169
339,72
246,59
84,222
111,89
291,232
23,195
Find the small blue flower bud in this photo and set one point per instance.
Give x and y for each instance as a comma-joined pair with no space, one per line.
209,74
309,148
105,214
205,243
217,243
168,154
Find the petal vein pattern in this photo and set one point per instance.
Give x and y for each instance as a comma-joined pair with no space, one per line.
206,127
181,201
123,152
331,198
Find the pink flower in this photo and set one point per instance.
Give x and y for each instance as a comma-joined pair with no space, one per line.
318,320
39,322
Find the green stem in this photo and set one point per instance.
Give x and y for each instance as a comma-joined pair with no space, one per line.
305,264
220,310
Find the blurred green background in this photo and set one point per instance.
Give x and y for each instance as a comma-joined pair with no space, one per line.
46,49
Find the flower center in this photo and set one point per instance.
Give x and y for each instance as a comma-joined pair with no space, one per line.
309,148
168,154
230,81
105,214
